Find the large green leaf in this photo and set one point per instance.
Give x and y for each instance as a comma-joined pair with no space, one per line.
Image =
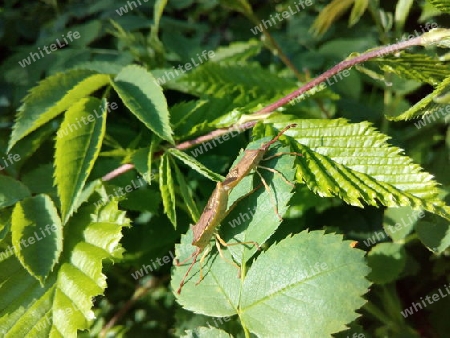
144,97
37,235
77,147
11,191
53,96
315,280
64,303
355,163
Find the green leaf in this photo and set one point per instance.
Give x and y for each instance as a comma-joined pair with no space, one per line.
51,97
330,14
320,275
314,271
387,261
399,222
434,232
196,165
27,146
419,67
247,81
37,235
443,5
358,10
11,191
354,162
143,96
64,303
157,14
401,13
166,186
186,193
428,107
237,51
77,147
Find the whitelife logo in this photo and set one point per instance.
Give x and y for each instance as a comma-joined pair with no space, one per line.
53,48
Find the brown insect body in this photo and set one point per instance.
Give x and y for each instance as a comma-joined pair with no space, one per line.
216,208
213,213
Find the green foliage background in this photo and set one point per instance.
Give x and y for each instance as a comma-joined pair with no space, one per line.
375,151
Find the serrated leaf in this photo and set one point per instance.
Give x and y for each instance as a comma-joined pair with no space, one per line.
387,261
11,191
144,97
53,96
196,165
64,303
354,162
417,67
166,186
247,81
312,270
77,147
428,107
37,235
304,276
186,193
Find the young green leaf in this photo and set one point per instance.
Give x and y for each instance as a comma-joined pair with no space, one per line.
144,97
37,235
53,96
77,147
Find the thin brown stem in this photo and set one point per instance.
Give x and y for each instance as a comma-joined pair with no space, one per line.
377,52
